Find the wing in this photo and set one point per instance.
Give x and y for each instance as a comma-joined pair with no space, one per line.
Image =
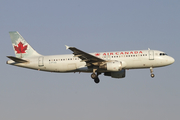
86,57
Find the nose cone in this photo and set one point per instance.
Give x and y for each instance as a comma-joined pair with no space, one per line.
171,60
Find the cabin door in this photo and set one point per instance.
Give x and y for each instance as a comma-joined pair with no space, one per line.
151,55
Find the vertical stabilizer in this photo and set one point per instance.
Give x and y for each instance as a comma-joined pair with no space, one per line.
21,47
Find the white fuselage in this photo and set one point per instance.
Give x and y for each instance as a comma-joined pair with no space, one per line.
68,63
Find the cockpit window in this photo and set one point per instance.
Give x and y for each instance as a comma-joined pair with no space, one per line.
162,54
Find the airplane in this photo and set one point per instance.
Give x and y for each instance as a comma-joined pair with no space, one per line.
113,64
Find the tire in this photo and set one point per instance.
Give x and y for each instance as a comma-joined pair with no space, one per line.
96,80
152,75
93,76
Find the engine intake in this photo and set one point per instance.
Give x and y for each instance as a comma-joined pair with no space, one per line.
112,66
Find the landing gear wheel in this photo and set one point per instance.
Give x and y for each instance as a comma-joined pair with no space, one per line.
96,80
152,75
151,70
93,76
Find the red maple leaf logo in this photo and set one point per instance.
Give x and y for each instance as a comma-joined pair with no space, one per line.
97,54
20,48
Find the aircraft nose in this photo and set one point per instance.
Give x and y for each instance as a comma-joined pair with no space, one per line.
171,60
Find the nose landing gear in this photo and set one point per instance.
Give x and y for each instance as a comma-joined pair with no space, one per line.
151,70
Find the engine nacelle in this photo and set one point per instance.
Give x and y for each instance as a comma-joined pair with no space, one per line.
118,74
112,66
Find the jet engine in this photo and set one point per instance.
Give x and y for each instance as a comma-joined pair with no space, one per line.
118,74
112,66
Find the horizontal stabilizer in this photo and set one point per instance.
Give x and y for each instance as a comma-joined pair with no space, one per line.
18,60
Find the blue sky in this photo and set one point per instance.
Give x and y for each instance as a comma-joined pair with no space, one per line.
92,26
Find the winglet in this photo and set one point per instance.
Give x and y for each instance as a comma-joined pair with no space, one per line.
67,47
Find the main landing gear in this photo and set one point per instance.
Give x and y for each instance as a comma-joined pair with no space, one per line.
151,70
95,76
